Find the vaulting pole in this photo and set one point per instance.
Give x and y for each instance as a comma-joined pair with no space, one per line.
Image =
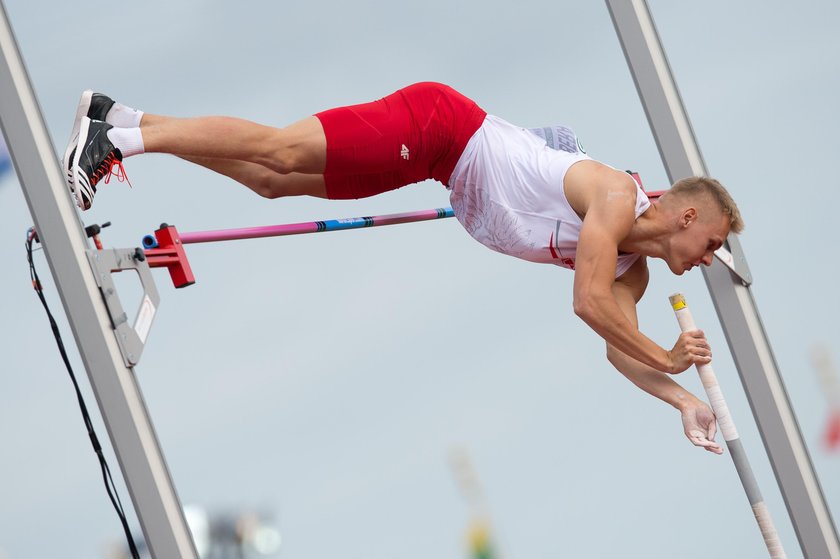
733,440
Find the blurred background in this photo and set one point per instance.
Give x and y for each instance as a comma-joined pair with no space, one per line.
319,386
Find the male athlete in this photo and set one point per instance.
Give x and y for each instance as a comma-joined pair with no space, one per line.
533,194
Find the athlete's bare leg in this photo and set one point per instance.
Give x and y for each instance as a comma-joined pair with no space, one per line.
273,162
263,180
299,148
304,142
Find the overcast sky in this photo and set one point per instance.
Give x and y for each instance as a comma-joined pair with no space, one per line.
327,378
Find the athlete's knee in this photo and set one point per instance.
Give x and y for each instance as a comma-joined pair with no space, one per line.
284,157
273,185
269,184
294,157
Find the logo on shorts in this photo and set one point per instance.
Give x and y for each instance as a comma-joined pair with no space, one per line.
404,152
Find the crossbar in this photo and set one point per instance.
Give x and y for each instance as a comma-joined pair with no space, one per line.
321,226
314,226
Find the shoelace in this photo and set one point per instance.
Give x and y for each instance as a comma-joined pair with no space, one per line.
113,167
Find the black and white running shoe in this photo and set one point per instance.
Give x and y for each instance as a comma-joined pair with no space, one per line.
94,106
94,158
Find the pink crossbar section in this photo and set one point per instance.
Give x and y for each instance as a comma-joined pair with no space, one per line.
311,226
248,233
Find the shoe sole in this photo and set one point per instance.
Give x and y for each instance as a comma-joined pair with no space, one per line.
81,111
78,180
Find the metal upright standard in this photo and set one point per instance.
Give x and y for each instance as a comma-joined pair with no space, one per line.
98,334
730,291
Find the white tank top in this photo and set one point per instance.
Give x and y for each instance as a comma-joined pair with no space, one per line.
507,192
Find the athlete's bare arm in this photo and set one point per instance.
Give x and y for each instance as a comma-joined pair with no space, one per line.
697,417
606,198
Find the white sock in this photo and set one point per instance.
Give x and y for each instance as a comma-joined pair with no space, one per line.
128,140
122,116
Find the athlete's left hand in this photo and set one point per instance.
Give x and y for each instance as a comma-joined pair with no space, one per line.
699,424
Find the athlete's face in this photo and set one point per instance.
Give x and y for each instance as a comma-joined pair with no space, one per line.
696,240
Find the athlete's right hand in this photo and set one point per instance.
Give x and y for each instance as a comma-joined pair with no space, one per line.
691,348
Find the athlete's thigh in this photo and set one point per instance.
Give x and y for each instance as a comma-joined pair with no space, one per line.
305,142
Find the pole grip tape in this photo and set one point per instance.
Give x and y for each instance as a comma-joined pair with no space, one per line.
707,374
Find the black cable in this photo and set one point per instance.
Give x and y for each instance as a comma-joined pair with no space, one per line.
106,471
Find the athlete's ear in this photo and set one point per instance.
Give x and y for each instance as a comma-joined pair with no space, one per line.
688,216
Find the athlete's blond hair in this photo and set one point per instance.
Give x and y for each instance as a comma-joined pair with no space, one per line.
695,187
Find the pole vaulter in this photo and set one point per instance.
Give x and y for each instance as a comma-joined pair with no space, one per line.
601,225
533,194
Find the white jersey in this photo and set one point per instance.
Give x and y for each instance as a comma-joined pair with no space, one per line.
507,192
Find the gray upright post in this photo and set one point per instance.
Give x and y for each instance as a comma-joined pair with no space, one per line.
64,242
730,291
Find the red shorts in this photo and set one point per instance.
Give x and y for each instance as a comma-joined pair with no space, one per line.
414,134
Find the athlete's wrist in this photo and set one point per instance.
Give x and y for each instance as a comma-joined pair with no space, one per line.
683,400
667,363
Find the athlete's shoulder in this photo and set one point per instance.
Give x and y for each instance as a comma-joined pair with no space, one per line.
589,182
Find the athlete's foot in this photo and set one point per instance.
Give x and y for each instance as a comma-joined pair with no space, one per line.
94,106
94,158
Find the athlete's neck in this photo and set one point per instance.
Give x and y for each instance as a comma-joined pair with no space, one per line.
649,235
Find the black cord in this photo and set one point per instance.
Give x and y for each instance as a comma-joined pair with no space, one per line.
106,472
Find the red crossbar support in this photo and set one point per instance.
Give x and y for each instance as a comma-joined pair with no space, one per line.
170,254
654,194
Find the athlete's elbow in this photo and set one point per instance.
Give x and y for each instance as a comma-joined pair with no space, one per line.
592,309
584,308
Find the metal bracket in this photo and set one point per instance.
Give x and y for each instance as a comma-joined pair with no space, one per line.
130,338
731,256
